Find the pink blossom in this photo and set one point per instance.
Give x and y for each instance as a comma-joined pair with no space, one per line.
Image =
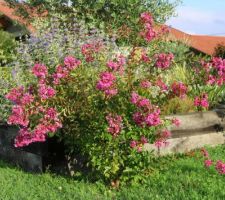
205,103
166,134
143,103
52,128
208,163
15,95
144,140
211,80
111,92
146,17
201,101
133,144
112,65
71,62
197,101
89,49
205,153
118,64
145,84
51,113
27,99
115,124
61,72
139,149
139,118
179,89
148,33
134,98
24,138
106,81
163,61
40,71
144,57
161,85
18,116
153,119
45,91
158,143
139,101
220,167
176,122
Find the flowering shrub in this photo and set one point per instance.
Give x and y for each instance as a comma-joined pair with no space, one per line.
107,105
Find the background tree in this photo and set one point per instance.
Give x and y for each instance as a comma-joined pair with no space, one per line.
220,50
114,16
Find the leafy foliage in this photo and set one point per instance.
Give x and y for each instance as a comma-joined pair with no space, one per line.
7,47
6,83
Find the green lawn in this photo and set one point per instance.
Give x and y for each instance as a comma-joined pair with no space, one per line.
184,178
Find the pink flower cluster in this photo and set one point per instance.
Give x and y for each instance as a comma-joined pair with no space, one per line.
107,84
144,57
35,121
201,101
49,123
18,96
90,49
147,114
70,63
219,165
18,116
176,122
115,124
215,71
163,61
23,112
45,92
159,82
40,71
148,33
207,162
145,84
117,65
138,145
162,139
179,89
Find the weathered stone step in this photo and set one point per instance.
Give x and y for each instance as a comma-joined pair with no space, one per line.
195,131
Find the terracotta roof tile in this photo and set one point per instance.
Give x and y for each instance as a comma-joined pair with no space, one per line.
202,43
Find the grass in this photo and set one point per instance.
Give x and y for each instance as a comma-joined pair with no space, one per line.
183,178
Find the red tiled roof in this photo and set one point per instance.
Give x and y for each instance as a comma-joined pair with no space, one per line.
202,43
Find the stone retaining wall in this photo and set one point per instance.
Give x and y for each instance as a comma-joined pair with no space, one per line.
195,131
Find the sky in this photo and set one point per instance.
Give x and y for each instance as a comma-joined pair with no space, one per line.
200,17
